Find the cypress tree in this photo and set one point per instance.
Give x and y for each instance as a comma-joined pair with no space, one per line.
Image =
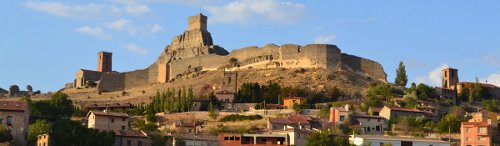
401,77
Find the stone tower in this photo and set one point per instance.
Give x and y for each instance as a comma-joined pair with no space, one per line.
197,22
450,78
104,62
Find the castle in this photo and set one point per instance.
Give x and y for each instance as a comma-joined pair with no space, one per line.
194,51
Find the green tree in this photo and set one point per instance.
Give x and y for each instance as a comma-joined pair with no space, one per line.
424,91
190,98
325,138
5,135
491,105
37,128
380,90
401,77
371,102
475,92
212,112
410,100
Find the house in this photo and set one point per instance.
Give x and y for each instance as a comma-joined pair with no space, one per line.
478,131
369,124
198,140
14,116
131,138
290,101
43,140
397,112
296,121
378,140
186,127
296,136
231,139
107,120
339,115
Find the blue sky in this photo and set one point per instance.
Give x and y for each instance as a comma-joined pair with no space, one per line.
43,43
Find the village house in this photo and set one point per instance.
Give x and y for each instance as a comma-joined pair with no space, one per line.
231,139
397,112
295,121
378,140
478,131
339,115
290,101
197,140
186,127
43,140
14,116
107,120
131,138
369,124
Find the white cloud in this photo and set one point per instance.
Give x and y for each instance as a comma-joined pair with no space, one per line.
118,24
493,79
323,39
433,78
94,31
72,11
137,9
136,49
243,11
155,28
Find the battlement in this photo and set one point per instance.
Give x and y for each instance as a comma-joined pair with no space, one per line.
197,22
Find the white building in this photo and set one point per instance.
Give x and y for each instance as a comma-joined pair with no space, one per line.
375,140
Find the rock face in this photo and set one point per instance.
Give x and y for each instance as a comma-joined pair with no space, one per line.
194,51
14,90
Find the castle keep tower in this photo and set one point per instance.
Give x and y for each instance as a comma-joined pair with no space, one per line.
450,78
197,22
104,62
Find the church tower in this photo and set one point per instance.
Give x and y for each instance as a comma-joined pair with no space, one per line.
450,78
104,62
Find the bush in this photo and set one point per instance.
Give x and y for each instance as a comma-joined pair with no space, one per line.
237,117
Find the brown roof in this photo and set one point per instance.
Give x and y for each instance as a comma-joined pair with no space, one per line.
130,133
113,105
13,106
294,98
111,114
405,109
367,116
294,119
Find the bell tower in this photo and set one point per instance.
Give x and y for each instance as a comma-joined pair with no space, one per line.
450,78
104,62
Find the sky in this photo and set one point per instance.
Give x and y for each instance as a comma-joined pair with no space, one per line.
43,43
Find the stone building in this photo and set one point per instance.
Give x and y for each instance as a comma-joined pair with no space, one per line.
106,121
339,115
14,116
194,51
452,82
131,138
398,112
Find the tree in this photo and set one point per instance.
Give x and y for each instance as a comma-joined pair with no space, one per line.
410,100
37,128
212,112
380,90
190,97
401,77
491,105
371,102
325,138
5,135
72,133
475,92
233,60
424,91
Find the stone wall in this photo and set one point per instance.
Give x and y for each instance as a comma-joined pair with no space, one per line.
364,66
112,82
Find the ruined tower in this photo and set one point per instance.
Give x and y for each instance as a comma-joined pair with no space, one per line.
197,22
104,62
450,78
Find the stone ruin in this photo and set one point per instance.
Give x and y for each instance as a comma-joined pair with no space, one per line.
194,51
14,91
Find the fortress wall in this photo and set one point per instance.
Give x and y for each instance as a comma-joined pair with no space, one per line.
111,82
253,51
136,78
206,61
366,66
153,73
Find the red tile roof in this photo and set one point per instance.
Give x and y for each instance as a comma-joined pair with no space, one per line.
130,133
475,123
111,114
13,106
405,109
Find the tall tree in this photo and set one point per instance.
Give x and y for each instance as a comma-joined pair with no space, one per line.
190,97
401,77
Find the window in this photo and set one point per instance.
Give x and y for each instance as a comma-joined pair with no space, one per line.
468,139
237,138
341,118
368,129
123,119
129,142
226,138
9,120
139,143
123,127
377,128
481,130
1,120
231,138
112,120
480,138
467,129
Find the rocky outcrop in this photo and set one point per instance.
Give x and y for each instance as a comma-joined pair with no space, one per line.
364,66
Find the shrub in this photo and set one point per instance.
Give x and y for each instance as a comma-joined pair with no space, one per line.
237,117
